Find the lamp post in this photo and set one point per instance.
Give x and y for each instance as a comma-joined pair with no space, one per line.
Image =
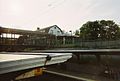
71,32
72,39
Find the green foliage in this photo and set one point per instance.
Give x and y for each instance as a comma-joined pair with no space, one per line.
105,30
77,32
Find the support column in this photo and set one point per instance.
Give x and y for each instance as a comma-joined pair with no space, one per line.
2,40
78,57
14,40
64,40
98,58
73,40
6,39
11,39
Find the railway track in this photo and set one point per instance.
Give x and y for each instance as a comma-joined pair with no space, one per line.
56,76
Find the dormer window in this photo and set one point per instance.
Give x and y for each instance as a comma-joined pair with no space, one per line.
58,31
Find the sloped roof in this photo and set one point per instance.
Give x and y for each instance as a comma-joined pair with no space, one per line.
17,31
48,28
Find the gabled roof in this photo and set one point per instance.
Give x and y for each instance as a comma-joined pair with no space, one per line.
48,28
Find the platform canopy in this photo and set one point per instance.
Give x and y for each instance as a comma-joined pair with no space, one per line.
11,62
19,31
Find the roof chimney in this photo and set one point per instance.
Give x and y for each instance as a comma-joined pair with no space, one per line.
38,28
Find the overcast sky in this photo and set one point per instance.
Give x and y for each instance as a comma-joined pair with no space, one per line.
67,14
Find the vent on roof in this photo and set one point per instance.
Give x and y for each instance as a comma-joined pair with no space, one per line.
38,28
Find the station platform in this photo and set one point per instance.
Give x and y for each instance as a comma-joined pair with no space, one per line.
16,61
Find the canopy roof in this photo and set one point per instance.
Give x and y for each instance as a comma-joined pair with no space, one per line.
19,31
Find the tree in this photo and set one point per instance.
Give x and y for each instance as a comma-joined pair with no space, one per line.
103,29
77,32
